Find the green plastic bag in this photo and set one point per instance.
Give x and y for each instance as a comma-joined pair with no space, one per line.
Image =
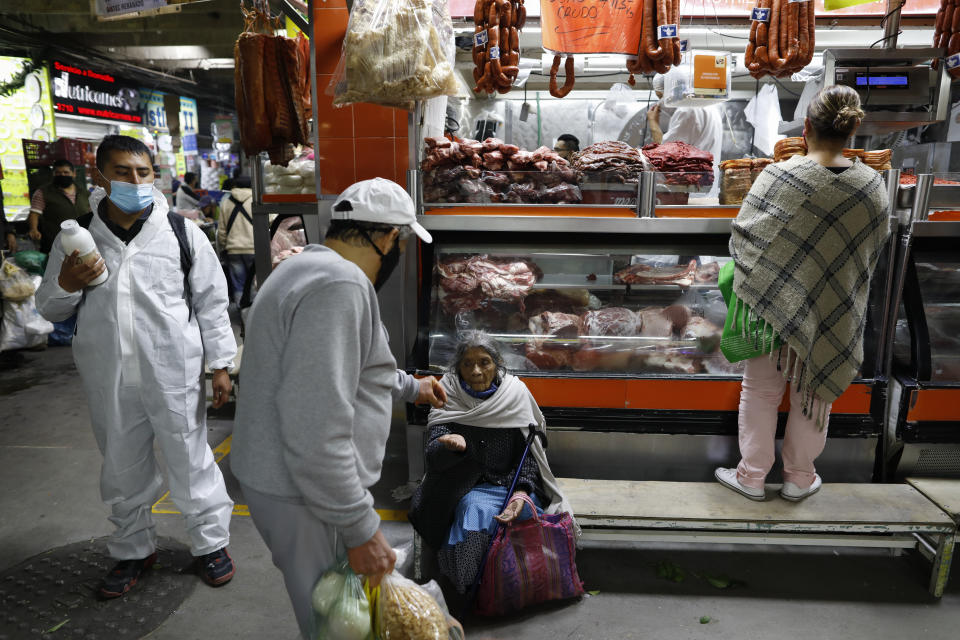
34,262
734,344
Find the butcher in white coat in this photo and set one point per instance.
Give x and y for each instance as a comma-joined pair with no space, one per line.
141,340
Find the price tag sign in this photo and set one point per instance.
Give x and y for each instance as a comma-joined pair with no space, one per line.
589,26
684,45
480,39
667,31
953,61
760,15
494,53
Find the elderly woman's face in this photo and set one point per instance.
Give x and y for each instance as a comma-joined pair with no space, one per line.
478,369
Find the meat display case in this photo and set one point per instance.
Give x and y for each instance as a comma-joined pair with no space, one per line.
923,428
614,325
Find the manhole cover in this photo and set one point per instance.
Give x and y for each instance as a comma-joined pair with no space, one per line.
54,594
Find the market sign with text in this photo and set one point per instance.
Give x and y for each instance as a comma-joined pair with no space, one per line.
591,26
84,92
107,9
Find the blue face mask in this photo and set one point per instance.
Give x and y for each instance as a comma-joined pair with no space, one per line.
131,198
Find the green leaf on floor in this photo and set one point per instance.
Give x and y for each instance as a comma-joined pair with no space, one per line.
704,619
723,581
594,593
666,570
57,626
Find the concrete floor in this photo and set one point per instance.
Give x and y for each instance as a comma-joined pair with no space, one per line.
49,469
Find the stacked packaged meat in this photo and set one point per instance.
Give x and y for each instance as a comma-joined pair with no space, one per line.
682,163
611,161
669,327
493,171
738,176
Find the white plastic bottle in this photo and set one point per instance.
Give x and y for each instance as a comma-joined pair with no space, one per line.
76,238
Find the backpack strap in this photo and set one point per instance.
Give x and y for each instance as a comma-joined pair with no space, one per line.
237,210
179,225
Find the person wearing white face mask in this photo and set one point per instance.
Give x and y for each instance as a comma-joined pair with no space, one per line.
140,344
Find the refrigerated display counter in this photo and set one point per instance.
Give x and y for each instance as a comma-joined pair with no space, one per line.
923,434
614,324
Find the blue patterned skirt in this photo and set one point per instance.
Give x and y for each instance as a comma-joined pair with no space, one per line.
473,527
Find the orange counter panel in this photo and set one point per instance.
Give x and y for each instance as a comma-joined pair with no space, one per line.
564,211
666,394
697,212
934,405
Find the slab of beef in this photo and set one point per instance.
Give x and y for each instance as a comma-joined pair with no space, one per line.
682,276
558,325
688,164
562,193
548,359
660,322
553,300
611,161
708,273
612,321
665,361
484,279
704,332
606,358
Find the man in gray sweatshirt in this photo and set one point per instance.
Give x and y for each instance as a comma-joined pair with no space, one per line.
319,382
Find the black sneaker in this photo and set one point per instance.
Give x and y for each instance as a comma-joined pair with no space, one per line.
216,568
124,575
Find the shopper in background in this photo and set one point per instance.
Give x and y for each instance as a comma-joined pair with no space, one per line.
235,235
228,186
51,204
319,383
567,146
187,198
7,231
805,244
140,344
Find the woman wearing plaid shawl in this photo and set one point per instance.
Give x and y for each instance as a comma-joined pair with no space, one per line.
805,245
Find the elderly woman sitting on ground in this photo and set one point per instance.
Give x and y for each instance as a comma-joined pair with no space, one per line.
474,447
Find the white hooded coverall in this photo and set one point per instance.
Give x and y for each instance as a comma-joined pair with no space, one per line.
140,354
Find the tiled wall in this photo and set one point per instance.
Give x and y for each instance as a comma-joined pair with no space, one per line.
357,141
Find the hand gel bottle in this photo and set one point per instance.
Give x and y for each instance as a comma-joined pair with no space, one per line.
76,238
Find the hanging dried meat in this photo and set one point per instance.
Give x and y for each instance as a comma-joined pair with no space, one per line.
496,44
272,86
659,43
395,53
946,34
782,37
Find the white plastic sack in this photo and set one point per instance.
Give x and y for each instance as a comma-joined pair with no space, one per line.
23,326
763,112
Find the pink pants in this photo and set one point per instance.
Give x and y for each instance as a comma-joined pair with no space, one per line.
803,441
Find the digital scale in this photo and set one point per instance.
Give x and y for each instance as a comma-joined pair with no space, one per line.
899,88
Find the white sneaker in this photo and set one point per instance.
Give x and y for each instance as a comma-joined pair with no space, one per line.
728,478
793,493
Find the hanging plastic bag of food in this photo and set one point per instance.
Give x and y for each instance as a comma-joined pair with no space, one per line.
340,606
406,611
15,283
394,53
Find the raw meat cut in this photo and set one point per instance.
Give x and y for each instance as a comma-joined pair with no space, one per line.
612,321
559,325
704,332
611,161
548,359
665,361
651,323
708,273
606,358
682,276
684,164
473,281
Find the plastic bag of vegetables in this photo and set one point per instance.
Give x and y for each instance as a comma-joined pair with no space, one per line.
406,611
340,606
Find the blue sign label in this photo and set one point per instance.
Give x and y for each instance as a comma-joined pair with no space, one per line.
667,31
953,61
684,45
480,39
494,53
760,15
190,142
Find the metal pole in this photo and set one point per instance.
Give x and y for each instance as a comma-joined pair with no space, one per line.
647,197
891,25
921,200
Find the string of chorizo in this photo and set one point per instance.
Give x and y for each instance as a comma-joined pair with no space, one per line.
568,81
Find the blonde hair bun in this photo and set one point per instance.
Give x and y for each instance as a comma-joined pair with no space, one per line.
835,112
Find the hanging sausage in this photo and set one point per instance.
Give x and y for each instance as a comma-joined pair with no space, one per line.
947,34
496,44
782,37
659,43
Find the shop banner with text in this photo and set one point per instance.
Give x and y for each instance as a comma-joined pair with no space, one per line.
591,26
107,9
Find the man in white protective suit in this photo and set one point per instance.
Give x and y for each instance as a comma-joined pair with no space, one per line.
140,345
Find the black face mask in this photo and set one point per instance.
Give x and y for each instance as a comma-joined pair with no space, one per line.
62,182
388,261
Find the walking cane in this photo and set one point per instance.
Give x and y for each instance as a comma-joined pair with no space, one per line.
472,594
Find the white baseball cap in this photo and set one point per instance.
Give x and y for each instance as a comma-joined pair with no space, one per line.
381,201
